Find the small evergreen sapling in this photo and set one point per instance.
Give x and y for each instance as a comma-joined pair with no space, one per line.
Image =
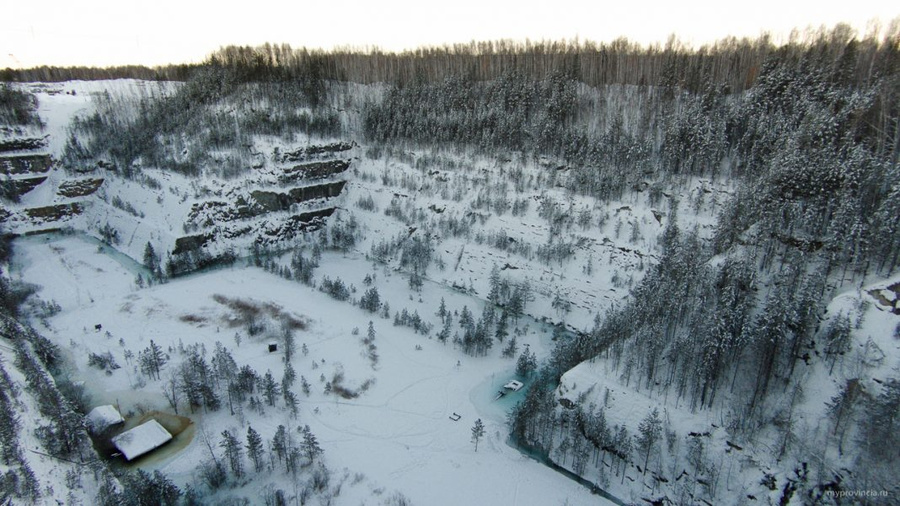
477,432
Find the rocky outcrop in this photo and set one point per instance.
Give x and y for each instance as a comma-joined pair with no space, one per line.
312,152
14,189
276,201
191,243
80,188
266,233
22,144
294,226
25,164
313,171
55,213
212,212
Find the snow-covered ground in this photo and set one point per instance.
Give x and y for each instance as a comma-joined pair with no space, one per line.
479,212
873,355
398,435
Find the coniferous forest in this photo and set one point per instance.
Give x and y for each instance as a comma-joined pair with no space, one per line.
726,321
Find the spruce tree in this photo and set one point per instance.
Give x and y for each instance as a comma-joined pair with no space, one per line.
649,432
494,286
233,453
477,432
254,448
270,388
280,442
310,445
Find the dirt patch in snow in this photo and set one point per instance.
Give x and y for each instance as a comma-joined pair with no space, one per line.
246,312
197,320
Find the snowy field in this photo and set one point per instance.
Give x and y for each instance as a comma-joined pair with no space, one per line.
397,436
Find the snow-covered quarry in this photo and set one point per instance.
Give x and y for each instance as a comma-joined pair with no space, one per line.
395,437
538,286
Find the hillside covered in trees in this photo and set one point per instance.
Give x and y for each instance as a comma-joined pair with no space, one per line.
761,187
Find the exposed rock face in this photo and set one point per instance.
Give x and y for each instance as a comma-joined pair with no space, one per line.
81,188
55,213
266,233
22,144
15,188
313,152
275,201
191,243
25,164
212,212
313,171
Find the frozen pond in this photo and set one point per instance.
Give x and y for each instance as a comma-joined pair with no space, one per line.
484,396
71,239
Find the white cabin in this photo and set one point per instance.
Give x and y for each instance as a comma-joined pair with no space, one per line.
142,439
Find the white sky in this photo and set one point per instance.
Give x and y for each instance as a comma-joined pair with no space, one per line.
114,32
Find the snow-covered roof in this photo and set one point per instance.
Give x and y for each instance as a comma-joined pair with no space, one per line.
145,437
103,417
513,385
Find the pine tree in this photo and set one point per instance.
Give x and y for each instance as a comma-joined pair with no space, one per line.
649,432
198,381
172,391
152,359
527,363
502,330
30,486
310,445
225,369
270,388
287,335
837,339
162,490
477,432
516,305
280,442
290,401
623,445
881,426
287,381
371,300
255,448
151,261
465,318
442,310
494,286
304,385
233,453
444,334
512,347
